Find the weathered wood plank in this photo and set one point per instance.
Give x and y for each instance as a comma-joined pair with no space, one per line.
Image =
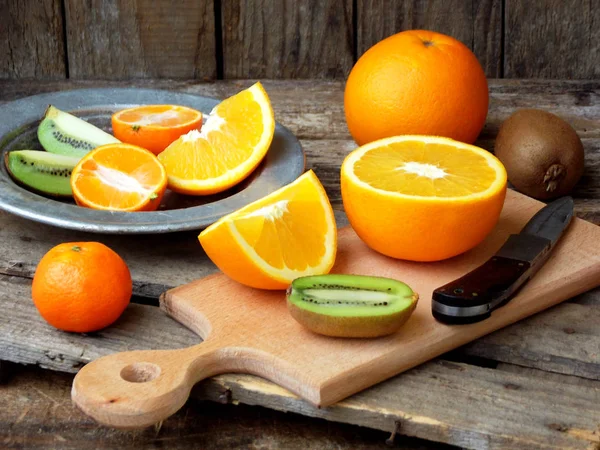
26,338
287,39
552,39
478,24
311,109
551,376
314,109
122,39
500,409
588,209
423,399
31,39
36,413
563,339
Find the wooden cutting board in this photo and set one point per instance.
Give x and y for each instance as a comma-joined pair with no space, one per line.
249,330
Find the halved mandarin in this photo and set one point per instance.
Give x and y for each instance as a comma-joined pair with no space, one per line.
154,127
272,241
232,143
119,177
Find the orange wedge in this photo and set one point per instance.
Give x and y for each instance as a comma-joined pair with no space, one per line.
232,142
119,177
422,198
154,127
287,234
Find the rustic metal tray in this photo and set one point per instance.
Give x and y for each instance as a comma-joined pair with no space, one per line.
18,130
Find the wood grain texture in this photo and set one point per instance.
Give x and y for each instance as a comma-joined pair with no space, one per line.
159,264
543,375
250,331
576,353
440,420
36,413
314,109
505,409
27,339
171,260
552,39
477,24
287,38
124,39
31,39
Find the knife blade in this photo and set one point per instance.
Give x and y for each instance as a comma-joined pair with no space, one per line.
475,295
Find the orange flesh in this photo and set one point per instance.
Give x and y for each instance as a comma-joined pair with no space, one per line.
224,149
392,168
159,115
287,242
119,177
289,233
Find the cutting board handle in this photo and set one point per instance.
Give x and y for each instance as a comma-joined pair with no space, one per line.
141,388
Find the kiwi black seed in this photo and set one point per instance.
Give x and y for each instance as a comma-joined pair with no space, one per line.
542,154
43,172
65,134
350,305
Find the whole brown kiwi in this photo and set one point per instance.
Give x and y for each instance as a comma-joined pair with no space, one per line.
542,153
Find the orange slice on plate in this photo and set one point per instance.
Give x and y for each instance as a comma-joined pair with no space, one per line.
422,198
232,142
154,127
119,177
270,242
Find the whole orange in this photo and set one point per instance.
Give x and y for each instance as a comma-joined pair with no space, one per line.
416,82
81,286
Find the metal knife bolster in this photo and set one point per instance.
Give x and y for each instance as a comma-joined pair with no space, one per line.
494,282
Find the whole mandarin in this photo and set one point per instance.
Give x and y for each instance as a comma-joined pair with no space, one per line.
81,286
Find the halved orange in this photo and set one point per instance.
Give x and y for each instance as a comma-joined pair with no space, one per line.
422,198
119,177
154,127
270,242
232,142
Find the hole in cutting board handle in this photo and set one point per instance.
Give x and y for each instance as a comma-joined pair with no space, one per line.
140,372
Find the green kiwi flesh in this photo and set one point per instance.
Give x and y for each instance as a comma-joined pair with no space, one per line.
43,172
350,305
64,134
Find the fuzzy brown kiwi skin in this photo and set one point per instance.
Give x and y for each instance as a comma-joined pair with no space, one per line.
542,154
352,327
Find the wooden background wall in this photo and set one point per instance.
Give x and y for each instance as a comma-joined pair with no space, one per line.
210,39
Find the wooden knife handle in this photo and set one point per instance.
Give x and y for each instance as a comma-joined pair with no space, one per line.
141,388
497,277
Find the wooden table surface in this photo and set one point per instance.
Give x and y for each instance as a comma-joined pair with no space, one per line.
535,384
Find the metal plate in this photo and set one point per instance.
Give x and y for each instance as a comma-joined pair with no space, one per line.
18,130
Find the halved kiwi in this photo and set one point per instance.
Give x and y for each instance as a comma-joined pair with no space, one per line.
65,134
351,305
43,172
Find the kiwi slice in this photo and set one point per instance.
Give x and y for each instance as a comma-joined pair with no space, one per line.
43,172
64,134
351,305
